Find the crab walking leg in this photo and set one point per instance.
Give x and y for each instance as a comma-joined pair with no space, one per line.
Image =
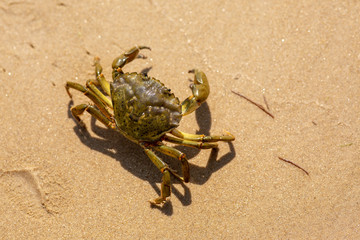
200,89
79,109
125,58
90,84
105,85
190,143
202,138
172,152
166,182
90,95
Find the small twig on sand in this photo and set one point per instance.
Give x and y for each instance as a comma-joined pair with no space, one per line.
266,104
283,159
256,104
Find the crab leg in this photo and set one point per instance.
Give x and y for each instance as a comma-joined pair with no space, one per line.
125,58
200,89
190,143
90,84
79,109
105,85
202,138
166,182
90,95
172,152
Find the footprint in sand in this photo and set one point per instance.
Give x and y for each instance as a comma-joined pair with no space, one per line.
23,188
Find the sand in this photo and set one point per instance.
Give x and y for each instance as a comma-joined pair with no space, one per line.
300,58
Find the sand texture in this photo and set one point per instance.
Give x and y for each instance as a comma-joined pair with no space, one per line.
299,59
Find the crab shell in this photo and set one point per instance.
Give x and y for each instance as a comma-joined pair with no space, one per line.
144,109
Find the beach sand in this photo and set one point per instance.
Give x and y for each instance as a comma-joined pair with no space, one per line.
300,60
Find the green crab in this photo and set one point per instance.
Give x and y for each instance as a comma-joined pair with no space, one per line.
146,112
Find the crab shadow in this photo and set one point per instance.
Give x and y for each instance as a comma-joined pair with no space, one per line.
133,159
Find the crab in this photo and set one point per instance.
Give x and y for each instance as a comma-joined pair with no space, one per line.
146,112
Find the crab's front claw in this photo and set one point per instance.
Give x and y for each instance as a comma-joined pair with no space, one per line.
127,57
200,89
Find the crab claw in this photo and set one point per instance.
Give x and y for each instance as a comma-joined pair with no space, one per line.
127,57
200,89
